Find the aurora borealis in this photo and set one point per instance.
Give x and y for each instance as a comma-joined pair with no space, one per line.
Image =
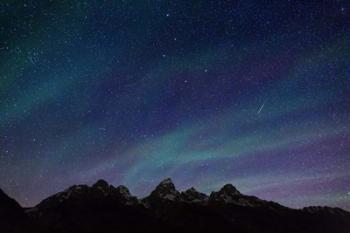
251,93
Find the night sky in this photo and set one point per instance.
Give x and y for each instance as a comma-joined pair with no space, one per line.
246,92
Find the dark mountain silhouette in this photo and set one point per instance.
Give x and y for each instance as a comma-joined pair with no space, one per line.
13,218
103,208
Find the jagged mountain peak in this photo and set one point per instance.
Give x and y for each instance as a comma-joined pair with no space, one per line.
123,194
166,186
192,189
82,193
123,190
101,184
192,195
229,189
165,190
166,182
227,194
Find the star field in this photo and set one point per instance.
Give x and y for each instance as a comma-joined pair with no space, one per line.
206,92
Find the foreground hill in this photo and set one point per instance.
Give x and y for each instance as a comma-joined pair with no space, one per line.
103,208
13,218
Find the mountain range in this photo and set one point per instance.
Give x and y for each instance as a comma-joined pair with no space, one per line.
103,208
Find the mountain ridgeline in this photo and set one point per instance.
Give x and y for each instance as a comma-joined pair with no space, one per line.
102,208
